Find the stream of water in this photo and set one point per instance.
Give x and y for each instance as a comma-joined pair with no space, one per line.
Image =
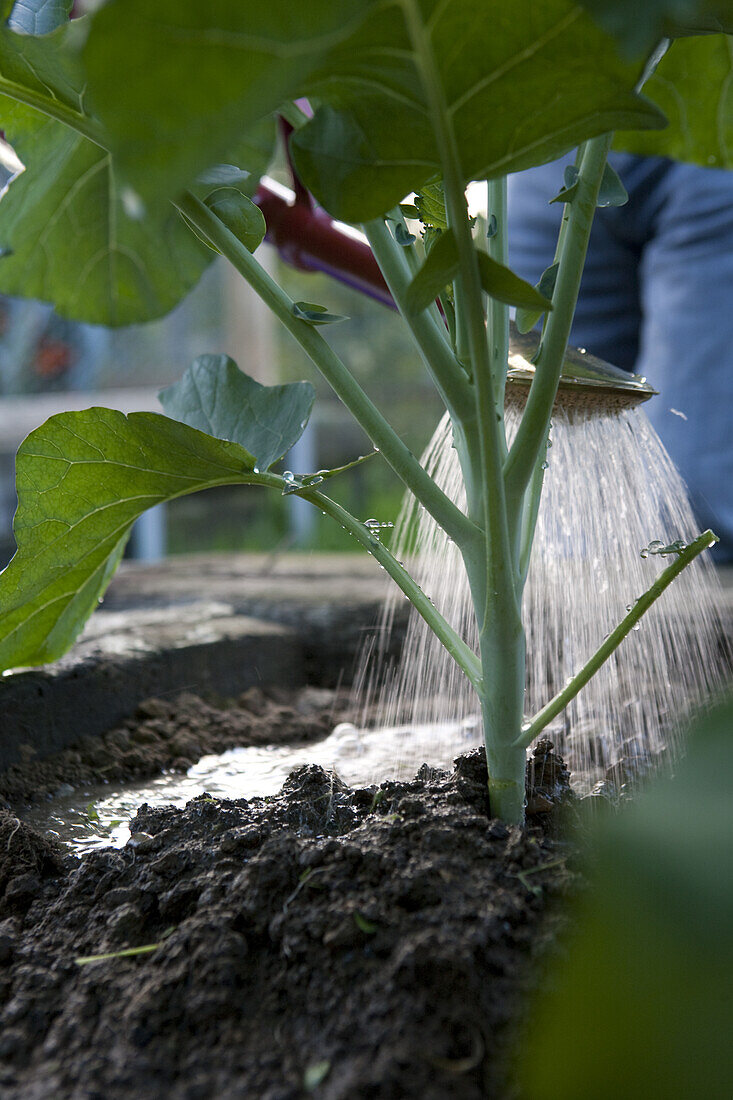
610,492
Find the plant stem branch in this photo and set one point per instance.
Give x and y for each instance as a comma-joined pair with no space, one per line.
530,511
292,113
380,432
55,109
409,252
487,490
438,357
445,322
462,654
614,639
529,442
498,312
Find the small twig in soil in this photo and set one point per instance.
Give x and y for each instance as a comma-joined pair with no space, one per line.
17,826
126,952
523,875
306,879
463,1065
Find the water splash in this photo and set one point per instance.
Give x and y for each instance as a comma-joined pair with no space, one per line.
613,506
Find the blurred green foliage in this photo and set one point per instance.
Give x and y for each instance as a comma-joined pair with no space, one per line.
641,1003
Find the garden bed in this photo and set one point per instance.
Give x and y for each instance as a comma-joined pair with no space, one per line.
327,941
209,624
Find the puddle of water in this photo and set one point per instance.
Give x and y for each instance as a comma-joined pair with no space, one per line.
94,817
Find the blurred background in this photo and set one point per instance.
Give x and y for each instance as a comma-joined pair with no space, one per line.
48,365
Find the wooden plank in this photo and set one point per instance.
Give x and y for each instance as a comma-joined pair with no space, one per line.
19,415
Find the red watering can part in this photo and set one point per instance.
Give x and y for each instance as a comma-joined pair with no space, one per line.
309,239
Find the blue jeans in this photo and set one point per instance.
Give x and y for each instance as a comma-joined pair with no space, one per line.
656,298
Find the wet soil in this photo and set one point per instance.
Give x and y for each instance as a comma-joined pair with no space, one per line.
171,734
326,942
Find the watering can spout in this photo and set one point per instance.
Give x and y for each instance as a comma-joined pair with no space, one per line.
586,382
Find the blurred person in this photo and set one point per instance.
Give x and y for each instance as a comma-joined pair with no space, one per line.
657,299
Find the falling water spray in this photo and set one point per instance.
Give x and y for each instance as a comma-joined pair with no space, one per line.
614,509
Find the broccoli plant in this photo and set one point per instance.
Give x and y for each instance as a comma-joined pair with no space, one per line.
143,129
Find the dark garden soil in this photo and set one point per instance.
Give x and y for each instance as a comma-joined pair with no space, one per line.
326,942
172,734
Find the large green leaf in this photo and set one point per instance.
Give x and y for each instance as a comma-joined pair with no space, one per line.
66,234
441,266
197,75
693,85
522,82
83,478
215,396
70,239
639,26
641,998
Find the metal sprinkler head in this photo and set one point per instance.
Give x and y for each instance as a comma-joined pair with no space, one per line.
587,383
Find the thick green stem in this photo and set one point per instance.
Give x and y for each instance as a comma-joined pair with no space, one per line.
437,355
377,428
498,312
491,574
503,658
507,782
614,639
531,436
487,491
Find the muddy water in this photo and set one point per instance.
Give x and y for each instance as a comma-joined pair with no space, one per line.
95,816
